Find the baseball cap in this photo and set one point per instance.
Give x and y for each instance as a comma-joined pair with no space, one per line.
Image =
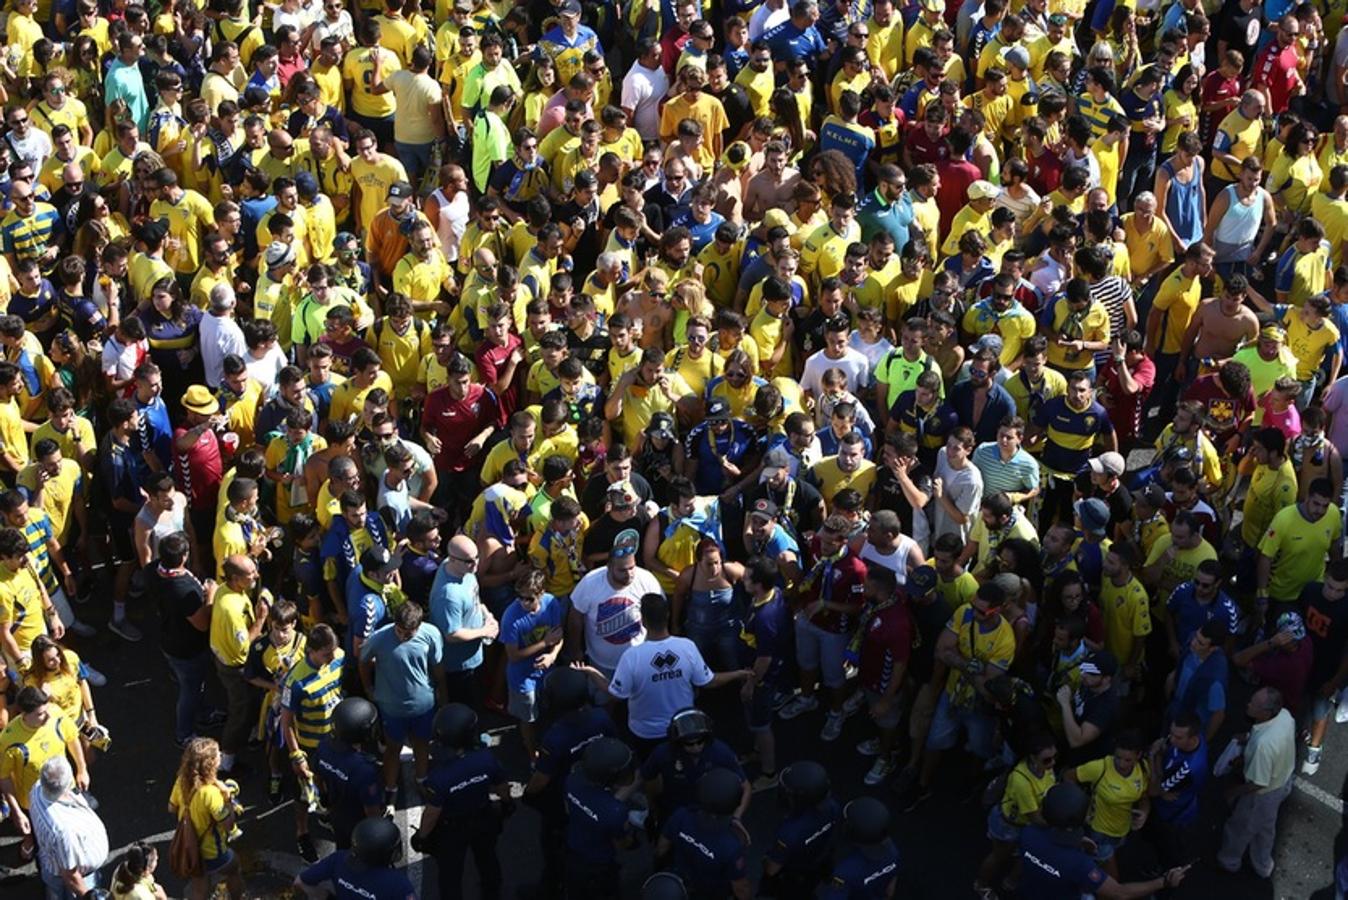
1018,57
1057,19
778,218
1101,662
1154,495
306,185
625,544
280,254
933,5
570,8
661,425
378,561
1108,463
1293,624
764,509
983,190
1273,333
991,342
718,410
345,240
775,460
400,190
621,495
1093,513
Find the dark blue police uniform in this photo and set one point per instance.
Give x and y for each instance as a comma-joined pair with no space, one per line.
460,788
679,771
350,782
706,852
804,849
595,821
353,881
1054,867
864,875
562,744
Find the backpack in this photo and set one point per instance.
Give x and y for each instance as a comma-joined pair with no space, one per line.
185,848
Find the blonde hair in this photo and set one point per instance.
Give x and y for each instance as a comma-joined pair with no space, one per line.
694,297
200,762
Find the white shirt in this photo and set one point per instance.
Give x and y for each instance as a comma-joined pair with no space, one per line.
70,834
873,352
34,149
342,28
765,18
643,89
119,360
220,336
853,363
265,370
964,488
451,221
612,615
657,679
895,561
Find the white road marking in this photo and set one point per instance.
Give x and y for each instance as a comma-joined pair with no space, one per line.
1320,795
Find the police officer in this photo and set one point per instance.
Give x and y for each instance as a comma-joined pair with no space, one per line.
800,856
705,844
461,812
869,870
1054,865
364,871
348,772
674,768
599,821
575,723
664,886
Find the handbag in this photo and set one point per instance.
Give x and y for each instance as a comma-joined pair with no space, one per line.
185,848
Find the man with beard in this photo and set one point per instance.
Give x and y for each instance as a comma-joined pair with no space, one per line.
387,240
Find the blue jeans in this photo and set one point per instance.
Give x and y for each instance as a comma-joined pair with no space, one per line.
416,158
191,675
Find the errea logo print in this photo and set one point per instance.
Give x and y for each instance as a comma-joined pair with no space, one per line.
666,666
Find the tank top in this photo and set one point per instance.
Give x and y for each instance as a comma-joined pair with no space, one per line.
709,607
896,561
1235,234
162,525
1183,205
450,222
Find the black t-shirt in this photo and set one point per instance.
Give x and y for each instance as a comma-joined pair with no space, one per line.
889,495
178,598
596,490
1327,625
587,247
591,351
1100,710
1240,29
605,530
803,513
931,619
739,111
1120,506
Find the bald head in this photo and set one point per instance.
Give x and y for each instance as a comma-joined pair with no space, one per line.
462,545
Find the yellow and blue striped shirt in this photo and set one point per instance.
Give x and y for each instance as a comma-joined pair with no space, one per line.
27,236
311,694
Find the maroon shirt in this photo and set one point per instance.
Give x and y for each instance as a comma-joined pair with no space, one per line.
1222,413
1125,410
1045,172
953,194
840,582
922,148
1216,86
198,471
1276,69
1287,671
456,422
885,646
491,359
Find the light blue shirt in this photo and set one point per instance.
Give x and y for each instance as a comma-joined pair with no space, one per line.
1018,475
456,603
403,684
125,83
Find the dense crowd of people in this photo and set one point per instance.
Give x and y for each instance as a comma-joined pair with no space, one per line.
647,375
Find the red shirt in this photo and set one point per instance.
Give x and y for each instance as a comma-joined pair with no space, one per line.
1222,413
841,581
1045,172
1125,410
491,359
953,194
885,646
1276,69
671,47
1216,86
922,148
456,422
1286,670
288,70
198,471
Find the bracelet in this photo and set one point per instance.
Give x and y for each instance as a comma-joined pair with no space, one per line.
296,755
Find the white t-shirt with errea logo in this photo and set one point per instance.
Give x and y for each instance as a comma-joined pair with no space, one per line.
657,679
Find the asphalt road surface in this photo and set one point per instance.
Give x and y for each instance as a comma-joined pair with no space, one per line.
940,844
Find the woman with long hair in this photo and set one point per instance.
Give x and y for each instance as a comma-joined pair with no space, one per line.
786,113
538,88
704,608
208,802
86,75
833,174
134,877
1123,41
56,670
79,371
172,326
97,225
1296,174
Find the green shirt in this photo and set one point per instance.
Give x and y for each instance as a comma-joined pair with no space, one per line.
491,145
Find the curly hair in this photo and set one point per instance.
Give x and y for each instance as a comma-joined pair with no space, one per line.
200,762
833,174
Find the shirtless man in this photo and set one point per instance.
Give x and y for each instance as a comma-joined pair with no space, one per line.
771,188
649,308
1219,327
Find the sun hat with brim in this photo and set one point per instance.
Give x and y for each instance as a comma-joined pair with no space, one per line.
199,399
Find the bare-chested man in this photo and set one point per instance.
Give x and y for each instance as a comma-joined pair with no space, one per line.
1219,327
649,309
771,188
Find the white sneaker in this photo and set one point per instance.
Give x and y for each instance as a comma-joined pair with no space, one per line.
799,706
853,705
869,747
832,726
880,772
1311,765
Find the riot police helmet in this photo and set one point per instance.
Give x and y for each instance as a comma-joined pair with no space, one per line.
455,727
606,762
866,821
1065,806
719,792
664,886
805,783
376,842
565,690
353,720
690,726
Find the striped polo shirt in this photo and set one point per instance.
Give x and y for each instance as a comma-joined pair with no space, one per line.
311,694
27,236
